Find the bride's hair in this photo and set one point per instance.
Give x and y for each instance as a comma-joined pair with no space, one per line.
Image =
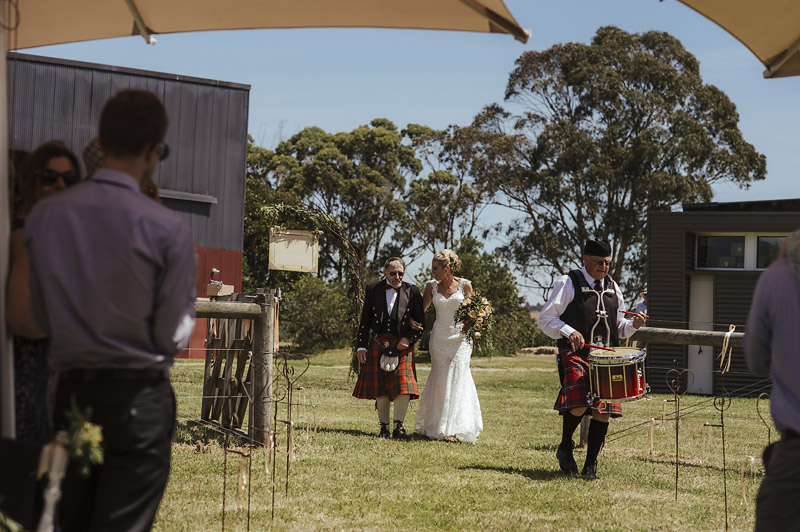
448,257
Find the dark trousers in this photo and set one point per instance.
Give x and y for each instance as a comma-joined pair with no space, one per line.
776,503
138,420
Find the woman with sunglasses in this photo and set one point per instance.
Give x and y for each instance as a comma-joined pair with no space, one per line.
47,170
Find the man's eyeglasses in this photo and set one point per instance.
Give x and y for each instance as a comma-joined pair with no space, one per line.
50,177
395,274
601,262
164,153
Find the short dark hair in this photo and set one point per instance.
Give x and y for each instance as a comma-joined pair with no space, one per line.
29,176
132,121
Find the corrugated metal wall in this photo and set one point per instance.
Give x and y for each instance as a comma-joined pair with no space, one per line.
666,294
671,249
204,176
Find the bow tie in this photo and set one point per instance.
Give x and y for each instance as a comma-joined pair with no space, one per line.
389,287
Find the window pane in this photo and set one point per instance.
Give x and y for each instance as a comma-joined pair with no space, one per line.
720,252
768,249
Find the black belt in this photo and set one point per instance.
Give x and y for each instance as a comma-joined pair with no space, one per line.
103,375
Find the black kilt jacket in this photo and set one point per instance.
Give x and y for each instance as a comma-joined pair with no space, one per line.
375,315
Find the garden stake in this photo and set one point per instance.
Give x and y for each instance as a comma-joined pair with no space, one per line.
764,395
243,483
314,411
675,385
746,486
652,429
244,472
707,438
287,373
721,403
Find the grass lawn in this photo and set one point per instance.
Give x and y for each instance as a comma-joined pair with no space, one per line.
345,478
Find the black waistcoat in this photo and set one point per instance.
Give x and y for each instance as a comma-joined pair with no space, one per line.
581,313
389,323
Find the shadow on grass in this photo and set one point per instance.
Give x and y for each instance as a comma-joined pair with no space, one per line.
670,461
349,432
414,437
190,431
531,474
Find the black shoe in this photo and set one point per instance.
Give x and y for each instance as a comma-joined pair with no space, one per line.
590,471
384,431
399,433
565,459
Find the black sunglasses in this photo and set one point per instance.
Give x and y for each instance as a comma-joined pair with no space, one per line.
50,177
164,153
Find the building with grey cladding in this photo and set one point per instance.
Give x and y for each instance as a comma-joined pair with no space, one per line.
702,268
204,177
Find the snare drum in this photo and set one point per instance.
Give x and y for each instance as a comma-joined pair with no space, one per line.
617,375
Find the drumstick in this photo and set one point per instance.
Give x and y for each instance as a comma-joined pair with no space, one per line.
634,314
597,347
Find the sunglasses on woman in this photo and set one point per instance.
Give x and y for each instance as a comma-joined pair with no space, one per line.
50,177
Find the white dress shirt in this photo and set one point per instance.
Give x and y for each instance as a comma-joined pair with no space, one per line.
391,297
563,292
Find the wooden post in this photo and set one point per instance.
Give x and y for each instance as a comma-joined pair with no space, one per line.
657,335
261,363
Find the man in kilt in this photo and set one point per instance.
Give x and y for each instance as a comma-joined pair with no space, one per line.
385,328
585,306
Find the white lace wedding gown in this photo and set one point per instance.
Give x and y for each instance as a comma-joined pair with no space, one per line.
449,404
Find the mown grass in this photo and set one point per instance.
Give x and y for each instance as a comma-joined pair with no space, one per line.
344,478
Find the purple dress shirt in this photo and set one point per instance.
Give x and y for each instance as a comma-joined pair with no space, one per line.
771,342
111,276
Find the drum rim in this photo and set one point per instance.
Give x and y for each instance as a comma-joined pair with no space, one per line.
605,358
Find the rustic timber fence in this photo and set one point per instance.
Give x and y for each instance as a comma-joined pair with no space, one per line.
658,335
237,329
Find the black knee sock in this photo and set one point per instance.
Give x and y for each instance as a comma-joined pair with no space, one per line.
597,435
568,429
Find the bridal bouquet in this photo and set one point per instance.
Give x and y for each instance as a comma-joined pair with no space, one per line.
475,317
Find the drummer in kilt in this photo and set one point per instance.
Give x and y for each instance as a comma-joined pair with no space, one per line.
585,306
385,329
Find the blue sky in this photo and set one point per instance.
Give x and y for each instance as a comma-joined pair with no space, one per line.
339,79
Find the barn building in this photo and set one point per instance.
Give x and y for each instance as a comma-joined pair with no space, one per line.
204,177
703,265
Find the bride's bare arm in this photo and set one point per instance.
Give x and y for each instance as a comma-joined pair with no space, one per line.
427,297
468,288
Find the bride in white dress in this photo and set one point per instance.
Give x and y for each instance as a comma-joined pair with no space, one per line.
449,408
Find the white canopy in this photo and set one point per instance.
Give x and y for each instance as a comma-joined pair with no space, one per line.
31,23
768,28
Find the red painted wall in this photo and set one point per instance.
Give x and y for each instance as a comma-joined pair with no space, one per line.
229,264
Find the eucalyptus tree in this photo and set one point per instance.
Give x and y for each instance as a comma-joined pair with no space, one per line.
593,136
358,177
448,205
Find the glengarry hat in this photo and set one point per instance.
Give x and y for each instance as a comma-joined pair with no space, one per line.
597,248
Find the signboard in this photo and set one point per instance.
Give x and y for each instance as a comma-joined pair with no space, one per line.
293,250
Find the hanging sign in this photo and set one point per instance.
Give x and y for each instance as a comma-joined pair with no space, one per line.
293,250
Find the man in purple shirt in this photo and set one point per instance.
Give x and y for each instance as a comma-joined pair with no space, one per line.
112,285
771,346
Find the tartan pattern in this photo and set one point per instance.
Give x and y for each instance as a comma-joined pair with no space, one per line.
373,382
575,386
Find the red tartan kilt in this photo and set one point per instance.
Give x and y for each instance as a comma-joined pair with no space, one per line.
373,382
575,388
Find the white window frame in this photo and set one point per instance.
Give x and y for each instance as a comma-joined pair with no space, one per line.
750,248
